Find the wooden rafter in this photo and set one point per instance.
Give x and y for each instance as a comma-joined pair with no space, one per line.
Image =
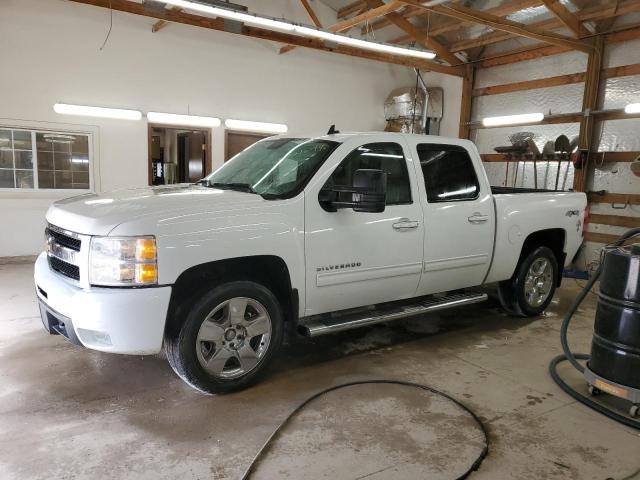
418,35
280,37
367,15
497,23
352,8
363,17
572,22
531,53
593,13
503,10
421,37
312,16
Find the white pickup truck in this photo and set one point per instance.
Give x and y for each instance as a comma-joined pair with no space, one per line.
321,234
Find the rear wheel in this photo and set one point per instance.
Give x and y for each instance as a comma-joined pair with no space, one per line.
530,290
228,338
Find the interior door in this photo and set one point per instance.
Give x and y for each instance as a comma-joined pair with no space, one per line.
354,258
458,216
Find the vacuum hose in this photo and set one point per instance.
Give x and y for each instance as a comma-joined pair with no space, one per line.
573,358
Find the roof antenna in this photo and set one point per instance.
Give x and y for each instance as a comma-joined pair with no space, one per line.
332,130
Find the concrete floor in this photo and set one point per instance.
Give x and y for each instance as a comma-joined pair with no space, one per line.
67,412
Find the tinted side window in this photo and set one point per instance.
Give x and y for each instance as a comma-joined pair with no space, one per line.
448,173
387,157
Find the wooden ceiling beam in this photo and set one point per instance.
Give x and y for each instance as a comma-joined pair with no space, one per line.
594,13
352,8
418,35
497,23
281,37
422,38
312,16
566,17
362,17
503,10
531,53
368,15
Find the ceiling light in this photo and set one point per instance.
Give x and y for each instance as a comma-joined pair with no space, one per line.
364,44
86,111
186,120
512,119
248,18
632,108
280,25
256,126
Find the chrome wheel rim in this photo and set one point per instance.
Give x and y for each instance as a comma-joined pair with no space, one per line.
538,282
234,338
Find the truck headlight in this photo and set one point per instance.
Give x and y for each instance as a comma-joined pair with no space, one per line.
123,261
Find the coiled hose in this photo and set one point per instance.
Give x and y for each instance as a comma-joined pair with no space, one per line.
573,358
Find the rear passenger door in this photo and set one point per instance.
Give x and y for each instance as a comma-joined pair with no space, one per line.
458,216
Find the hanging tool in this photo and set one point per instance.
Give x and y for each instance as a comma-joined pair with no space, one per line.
561,148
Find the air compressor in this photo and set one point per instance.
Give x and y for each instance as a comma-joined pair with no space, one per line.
613,367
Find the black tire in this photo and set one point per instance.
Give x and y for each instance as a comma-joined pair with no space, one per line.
181,347
512,292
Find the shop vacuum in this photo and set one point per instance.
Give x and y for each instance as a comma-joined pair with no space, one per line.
613,368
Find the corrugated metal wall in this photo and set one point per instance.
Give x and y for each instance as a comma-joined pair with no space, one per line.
613,135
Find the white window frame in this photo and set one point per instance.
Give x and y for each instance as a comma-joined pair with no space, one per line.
43,127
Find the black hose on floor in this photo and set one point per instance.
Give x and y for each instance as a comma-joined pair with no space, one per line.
573,358
265,447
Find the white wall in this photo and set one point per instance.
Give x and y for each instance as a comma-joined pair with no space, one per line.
51,54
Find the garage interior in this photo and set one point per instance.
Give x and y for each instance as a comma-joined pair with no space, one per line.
549,92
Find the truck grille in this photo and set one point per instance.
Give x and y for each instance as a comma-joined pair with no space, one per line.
65,240
63,251
60,266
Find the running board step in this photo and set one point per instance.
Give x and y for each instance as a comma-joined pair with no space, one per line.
323,324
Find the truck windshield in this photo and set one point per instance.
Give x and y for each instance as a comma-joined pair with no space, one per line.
276,168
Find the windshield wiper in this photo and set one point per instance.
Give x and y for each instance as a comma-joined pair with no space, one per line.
242,187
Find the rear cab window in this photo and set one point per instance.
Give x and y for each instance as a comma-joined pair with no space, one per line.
449,174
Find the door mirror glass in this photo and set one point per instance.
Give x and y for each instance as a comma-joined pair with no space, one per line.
367,194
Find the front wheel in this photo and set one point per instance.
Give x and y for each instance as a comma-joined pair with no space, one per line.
530,290
228,339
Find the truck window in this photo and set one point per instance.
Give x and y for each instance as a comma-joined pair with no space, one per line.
387,157
448,173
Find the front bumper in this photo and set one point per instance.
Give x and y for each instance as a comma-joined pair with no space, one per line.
117,320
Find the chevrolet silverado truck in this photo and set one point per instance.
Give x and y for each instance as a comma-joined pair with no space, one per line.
319,234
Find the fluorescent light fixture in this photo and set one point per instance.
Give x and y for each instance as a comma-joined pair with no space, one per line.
248,18
632,108
283,25
256,126
364,44
186,120
512,119
87,111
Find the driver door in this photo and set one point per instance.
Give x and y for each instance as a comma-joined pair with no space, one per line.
360,258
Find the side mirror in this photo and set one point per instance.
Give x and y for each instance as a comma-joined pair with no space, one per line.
367,194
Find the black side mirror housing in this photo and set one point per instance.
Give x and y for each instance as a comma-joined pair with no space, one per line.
368,193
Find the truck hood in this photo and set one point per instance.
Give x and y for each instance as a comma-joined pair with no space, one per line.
99,214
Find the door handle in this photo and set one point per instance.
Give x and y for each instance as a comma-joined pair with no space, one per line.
478,218
405,224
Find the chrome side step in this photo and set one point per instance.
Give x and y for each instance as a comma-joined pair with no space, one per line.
331,323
